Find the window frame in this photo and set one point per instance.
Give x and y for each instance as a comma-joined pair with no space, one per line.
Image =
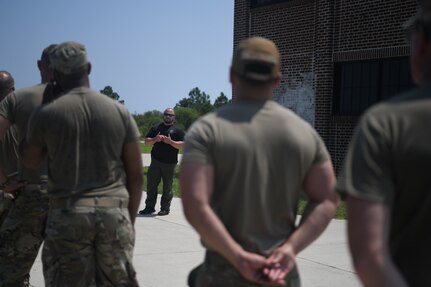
377,85
261,3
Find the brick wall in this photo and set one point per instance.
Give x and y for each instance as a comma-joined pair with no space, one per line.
367,24
314,34
366,29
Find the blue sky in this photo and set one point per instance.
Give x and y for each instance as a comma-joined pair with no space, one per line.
152,53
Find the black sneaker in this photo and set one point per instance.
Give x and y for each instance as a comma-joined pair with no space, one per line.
26,282
163,212
146,211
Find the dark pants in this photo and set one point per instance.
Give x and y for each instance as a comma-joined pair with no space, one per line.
156,172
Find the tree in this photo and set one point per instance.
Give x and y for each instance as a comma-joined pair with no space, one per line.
108,91
186,116
221,101
147,120
197,100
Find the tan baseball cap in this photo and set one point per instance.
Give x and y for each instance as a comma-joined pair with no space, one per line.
256,59
69,58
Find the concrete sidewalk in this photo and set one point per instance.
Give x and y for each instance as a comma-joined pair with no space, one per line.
167,248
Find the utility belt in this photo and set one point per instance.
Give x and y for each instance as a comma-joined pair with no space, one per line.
13,178
90,202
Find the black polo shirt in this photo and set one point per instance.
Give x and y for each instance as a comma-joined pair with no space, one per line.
161,151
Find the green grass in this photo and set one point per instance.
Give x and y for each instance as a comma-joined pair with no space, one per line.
175,184
341,212
147,148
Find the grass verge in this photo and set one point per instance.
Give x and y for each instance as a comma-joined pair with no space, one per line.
175,184
147,148
341,212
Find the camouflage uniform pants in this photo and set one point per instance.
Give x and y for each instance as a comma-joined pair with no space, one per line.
89,246
218,272
21,235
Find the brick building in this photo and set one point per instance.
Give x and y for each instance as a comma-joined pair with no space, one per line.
338,57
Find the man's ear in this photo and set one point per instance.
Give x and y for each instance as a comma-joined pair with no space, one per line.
276,81
426,43
56,79
421,42
89,68
55,76
39,65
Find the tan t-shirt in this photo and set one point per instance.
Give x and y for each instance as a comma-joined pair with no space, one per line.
261,153
17,108
389,161
9,151
84,133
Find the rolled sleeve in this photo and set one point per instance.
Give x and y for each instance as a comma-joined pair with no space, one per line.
366,173
132,132
7,107
197,144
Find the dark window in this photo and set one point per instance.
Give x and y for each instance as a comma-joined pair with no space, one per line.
258,3
359,84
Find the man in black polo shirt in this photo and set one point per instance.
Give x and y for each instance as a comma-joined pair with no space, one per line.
166,138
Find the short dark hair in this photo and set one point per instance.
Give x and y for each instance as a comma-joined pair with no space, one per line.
6,80
45,53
